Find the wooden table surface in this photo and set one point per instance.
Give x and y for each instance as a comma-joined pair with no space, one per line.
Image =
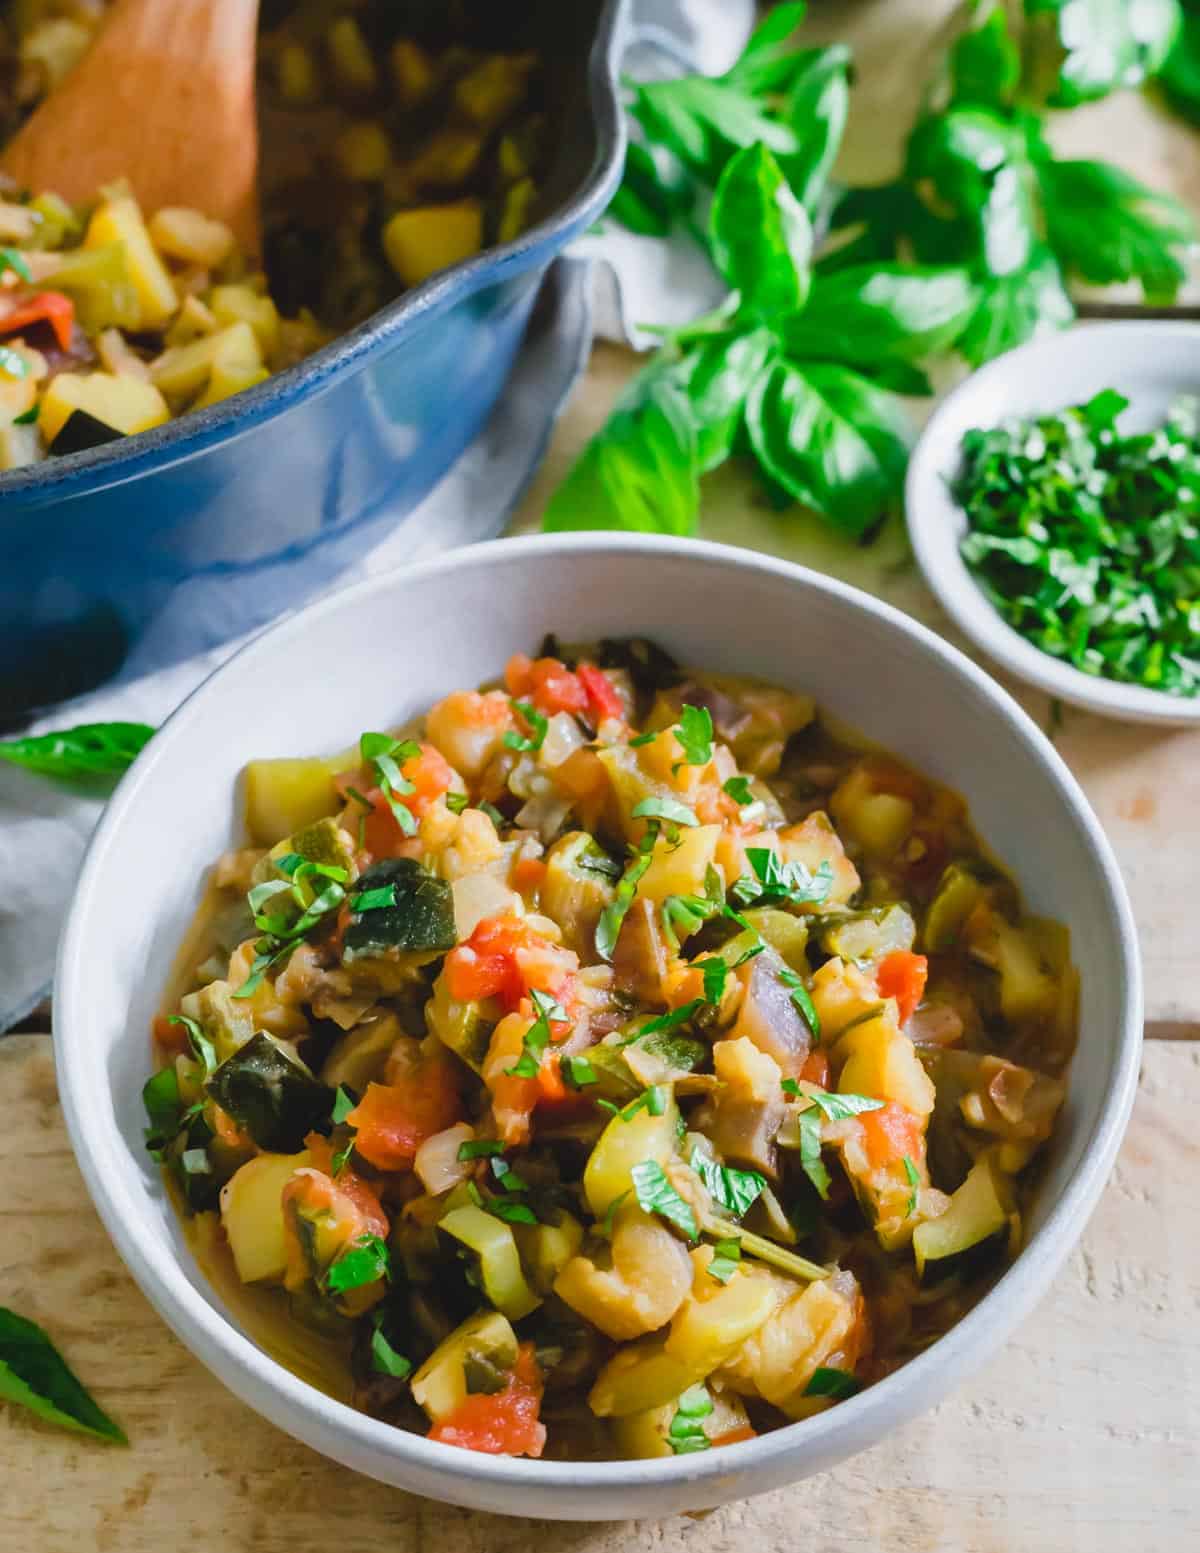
1083,1436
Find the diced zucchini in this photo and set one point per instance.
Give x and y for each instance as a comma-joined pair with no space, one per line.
296,74
324,841
270,1095
715,1320
55,220
462,1027
19,445
959,891
285,795
99,281
547,1248
868,935
786,934
228,379
577,887
123,403
483,1341
242,304
614,1077
118,219
490,91
183,370
363,151
190,236
252,1214
640,1436
227,1021
420,242
623,1144
980,1208
353,63
638,1378
878,1059
518,202
413,72
492,1241
420,917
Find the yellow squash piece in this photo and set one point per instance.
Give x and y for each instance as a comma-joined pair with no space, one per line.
124,403
190,236
980,1208
184,370
499,1261
485,1340
252,1214
623,1144
420,242
119,220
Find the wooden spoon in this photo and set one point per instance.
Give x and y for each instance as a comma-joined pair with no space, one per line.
165,98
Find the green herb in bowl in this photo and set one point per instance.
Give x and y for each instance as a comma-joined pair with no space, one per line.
1085,539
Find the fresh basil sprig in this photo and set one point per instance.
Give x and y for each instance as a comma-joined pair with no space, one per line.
35,1375
91,755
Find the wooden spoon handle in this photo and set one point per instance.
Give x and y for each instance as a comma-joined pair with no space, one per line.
165,98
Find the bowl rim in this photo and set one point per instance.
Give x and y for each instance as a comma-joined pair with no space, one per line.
935,520
292,1401
128,458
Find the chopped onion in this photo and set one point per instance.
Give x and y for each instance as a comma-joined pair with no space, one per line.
482,895
563,737
437,1162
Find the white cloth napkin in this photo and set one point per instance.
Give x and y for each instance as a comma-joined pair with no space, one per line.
43,830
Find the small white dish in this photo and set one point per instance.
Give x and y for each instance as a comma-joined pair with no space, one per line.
378,653
1151,364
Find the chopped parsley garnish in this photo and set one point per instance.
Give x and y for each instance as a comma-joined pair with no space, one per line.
802,999
668,809
609,926
479,1148
511,1209
380,899
734,1190
533,719
13,259
727,1254
537,1037
283,930
644,738
738,788
775,880
385,756
365,1262
655,1194
457,802
343,1104
914,1180
203,1049
384,1357
683,915
576,1071
672,1021
1083,538
685,1433
694,731
837,1384
837,1108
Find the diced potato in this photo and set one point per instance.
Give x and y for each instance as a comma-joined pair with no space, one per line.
638,1378
815,842
228,1022
547,1248
19,445
879,1060
118,358
252,1213
413,72
99,281
980,1208
646,1284
869,935
877,821
716,1319
842,994
242,304
189,235
119,220
283,796
124,403
363,151
680,870
183,370
418,243
518,203
227,379
440,1385
574,892
623,1144
353,63
777,1362
193,319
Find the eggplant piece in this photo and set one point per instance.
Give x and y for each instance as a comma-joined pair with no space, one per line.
768,1017
729,719
81,431
639,958
649,666
269,1094
415,914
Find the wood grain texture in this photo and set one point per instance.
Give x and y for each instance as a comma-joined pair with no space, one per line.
1082,1437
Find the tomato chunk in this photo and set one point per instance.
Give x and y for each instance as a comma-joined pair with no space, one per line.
892,1133
505,958
504,1424
602,698
430,774
902,976
51,307
393,1120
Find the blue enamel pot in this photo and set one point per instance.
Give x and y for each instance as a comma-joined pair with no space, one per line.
154,547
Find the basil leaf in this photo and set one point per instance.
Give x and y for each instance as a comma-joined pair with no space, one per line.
672,1021
92,753
767,64
1180,76
817,107
694,732
718,374
869,312
775,880
831,439
577,1071
685,1433
457,802
734,1190
761,236
985,62
384,1358
34,1374
538,1036
727,1254
649,200
1109,228
13,259
705,121
533,719
838,1384
479,1148
655,1194
914,1180
1108,44
837,1108
1016,308
802,999
738,788
609,926
669,809
512,1210
343,1104
365,1262
203,1049
385,755
810,1151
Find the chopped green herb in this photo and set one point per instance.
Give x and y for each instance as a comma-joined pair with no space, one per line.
386,756
802,998
534,720
655,1194
538,1036
13,259
644,738
577,1071
837,1108
775,880
341,1158
35,1375
653,1100
727,1254
457,802
914,1181
27,417
683,915
479,1148
511,1209
381,899
92,754
610,1213
837,1384
493,814
685,1433
715,972
810,1151
384,1357
738,788
669,809
607,1105
672,1021
203,1049
506,1176
734,1190
609,926
343,1104
695,734
364,1262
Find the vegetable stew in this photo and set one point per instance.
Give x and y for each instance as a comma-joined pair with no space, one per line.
621,1061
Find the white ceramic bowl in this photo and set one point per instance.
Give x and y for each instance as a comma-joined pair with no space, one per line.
1151,364
376,653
